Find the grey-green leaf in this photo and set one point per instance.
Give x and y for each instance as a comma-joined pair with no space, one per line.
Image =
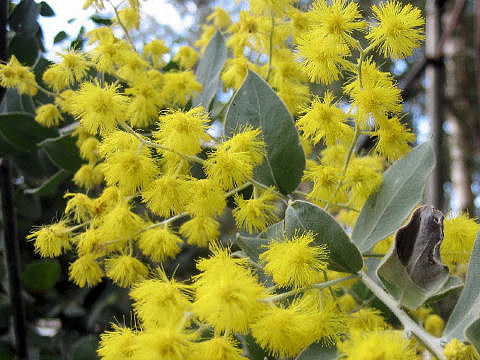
401,190
51,184
412,271
209,69
253,247
302,216
63,152
256,105
41,275
318,351
467,309
472,332
21,130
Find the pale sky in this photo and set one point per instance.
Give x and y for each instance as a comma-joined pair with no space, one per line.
65,10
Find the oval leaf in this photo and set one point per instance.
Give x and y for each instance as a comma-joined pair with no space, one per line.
51,184
63,152
21,130
41,275
467,309
209,69
256,105
472,332
401,190
302,216
318,351
412,272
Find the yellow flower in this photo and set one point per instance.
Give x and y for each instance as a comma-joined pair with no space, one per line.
228,168
226,292
160,301
221,18
99,108
144,103
200,230
88,176
73,68
51,240
378,345
186,57
159,243
131,66
218,348
459,236
367,319
393,138
399,29
435,325
325,181
363,176
163,343
166,195
324,120
324,57
85,271
338,18
79,205
125,270
377,94
89,149
207,33
285,331
119,223
257,213
296,261
129,170
156,49
48,115
234,72
179,86
247,141
118,344
206,198
130,18
183,131
14,75
456,350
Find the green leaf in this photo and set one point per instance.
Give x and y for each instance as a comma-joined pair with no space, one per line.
318,351
253,247
274,231
51,184
46,10
466,314
412,271
401,190
63,152
100,20
24,47
302,216
472,333
209,69
84,348
62,35
256,105
24,17
41,275
21,130
255,351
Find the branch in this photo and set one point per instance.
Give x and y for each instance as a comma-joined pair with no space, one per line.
410,326
12,259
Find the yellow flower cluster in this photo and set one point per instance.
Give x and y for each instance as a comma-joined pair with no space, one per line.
157,177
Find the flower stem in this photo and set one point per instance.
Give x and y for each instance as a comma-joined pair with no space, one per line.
320,286
410,326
